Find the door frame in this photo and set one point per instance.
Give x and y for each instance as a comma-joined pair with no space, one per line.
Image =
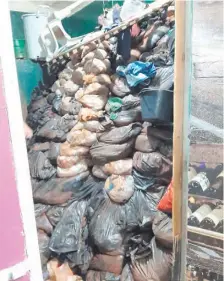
18,144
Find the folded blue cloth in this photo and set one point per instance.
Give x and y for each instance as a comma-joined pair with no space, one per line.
137,72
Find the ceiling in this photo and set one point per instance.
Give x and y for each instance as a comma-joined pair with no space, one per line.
32,6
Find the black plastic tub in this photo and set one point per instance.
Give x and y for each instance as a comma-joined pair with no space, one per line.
157,106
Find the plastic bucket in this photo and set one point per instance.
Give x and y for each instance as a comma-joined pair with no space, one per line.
157,106
34,24
19,48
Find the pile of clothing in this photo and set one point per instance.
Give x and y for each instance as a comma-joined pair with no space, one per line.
98,170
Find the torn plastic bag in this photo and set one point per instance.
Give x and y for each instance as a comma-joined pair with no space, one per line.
93,275
126,117
119,167
69,161
164,79
43,241
55,213
81,138
137,72
103,153
119,188
69,106
103,79
96,102
87,114
40,166
120,135
143,182
98,172
74,171
67,150
97,54
162,229
153,164
157,267
113,264
96,66
107,225
126,274
71,234
44,224
57,128
165,204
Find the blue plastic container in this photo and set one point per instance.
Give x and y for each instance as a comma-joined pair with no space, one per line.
157,106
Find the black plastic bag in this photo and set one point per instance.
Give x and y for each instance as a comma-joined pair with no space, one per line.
103,153
58,191
56,128
126,117
40,166
155,165
121,134
140,210
107,225
142,182
71,234
162,229
156,267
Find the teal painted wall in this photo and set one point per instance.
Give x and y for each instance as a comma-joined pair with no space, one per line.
29,73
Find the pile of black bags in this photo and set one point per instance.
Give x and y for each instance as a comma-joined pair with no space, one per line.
98,170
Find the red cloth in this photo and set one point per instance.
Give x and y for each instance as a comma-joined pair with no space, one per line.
165,204
135,30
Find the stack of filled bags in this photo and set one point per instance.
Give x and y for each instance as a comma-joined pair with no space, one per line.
98,171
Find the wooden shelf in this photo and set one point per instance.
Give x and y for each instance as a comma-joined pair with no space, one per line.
205,232
205,258
201,197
